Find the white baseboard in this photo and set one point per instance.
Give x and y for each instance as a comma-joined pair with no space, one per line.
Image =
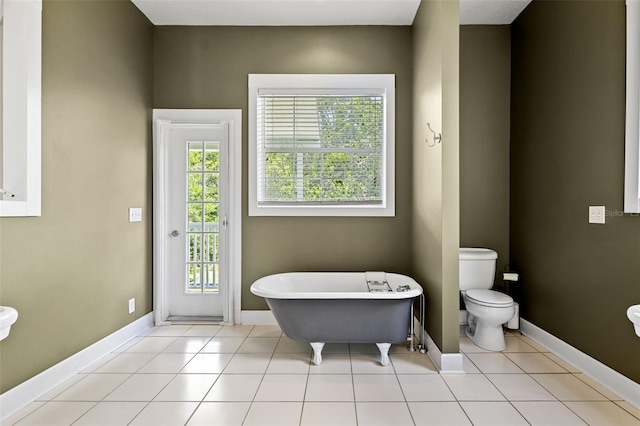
445,363
257,318
616,382
20,396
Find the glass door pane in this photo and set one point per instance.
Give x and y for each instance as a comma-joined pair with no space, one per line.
203,227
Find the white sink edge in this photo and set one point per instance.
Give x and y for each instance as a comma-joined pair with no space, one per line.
8,316
633,313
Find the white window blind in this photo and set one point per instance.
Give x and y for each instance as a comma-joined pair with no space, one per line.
320,149
321,145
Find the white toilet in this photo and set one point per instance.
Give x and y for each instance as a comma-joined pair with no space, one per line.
487,309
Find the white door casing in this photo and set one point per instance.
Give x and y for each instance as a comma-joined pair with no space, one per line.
165,124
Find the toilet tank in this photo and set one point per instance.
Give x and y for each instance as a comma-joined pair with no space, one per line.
477,268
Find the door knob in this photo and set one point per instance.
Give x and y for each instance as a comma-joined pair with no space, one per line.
174,233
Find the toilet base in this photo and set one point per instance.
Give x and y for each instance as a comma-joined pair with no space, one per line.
489,337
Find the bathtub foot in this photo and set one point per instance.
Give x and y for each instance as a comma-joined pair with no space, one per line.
317,352
384,353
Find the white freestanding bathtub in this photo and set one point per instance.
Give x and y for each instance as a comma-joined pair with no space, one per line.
340,307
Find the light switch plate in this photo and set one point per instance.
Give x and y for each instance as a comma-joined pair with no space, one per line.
596,214
135,214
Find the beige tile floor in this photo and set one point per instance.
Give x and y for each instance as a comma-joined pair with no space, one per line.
254,375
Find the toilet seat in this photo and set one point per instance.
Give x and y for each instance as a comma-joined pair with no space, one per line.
489,298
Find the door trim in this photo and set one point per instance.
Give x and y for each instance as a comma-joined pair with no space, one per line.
163,119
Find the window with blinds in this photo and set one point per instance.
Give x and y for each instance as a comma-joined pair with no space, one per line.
319,149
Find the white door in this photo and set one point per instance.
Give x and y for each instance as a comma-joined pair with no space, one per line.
197,211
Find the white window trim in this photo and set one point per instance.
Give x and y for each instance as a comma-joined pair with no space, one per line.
325,81
632,132
21,112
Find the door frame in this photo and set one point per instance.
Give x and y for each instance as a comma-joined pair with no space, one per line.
163,119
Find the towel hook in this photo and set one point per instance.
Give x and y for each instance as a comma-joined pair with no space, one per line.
437,138
5,192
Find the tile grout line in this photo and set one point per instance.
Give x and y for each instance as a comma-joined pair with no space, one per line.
148,403
501,393
245,338
244,419
353,384
566,372
403,394
212,384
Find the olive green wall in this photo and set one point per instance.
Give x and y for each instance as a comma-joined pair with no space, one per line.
567,152
70,272
436,201
485,103
207,67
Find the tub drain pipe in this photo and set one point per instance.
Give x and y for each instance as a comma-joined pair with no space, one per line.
422,346
412,335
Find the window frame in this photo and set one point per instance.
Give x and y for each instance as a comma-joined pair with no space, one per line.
21,92
383,84
632,132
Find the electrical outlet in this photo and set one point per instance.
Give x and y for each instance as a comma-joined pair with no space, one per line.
596,214
132,305
135,214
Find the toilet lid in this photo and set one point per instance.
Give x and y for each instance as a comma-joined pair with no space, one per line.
489,297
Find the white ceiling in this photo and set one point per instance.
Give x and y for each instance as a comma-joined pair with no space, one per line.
490,12
316,12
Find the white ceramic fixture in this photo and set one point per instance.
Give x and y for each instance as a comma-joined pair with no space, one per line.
487,309
8,316
633,313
